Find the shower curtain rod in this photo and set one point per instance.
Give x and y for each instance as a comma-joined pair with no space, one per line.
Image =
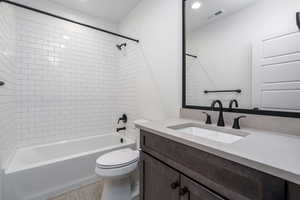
68,20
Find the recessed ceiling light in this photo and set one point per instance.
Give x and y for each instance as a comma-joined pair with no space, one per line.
196,5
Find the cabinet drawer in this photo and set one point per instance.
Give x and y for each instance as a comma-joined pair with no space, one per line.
227,178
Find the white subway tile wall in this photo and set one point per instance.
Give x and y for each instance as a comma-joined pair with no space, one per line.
131,65
64,81
8,135
67,80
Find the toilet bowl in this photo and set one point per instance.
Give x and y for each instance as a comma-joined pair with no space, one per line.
115,168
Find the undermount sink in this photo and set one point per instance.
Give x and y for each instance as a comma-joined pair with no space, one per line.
198,130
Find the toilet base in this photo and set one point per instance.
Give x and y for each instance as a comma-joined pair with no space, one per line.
117,189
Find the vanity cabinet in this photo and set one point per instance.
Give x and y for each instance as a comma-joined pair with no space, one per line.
199,175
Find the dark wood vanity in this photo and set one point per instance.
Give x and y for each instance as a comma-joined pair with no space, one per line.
171,170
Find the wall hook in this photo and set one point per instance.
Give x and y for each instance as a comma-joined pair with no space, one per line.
298,19
2,83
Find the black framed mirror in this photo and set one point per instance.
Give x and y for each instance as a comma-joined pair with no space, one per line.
234,51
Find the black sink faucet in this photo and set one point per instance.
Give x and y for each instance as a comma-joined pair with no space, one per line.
221,118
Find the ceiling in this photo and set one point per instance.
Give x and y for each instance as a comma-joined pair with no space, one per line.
112,10
204,15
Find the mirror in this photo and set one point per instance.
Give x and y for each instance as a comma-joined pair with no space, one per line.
247,51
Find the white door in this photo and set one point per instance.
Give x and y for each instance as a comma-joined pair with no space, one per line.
276,73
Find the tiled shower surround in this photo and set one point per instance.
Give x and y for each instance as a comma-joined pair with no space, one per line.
71,81
8,134
131,64
66,80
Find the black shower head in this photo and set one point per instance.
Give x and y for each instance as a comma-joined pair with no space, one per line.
120,46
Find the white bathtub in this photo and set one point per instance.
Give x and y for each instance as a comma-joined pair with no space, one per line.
39,172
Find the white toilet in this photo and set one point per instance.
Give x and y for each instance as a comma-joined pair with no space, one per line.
116,167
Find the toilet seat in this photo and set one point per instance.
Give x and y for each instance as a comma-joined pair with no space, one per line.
117,159
116,172
117,163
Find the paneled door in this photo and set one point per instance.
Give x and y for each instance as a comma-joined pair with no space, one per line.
276,73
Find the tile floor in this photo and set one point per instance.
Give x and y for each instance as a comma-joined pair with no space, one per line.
89,192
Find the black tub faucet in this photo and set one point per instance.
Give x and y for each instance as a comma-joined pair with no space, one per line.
221,118
235,102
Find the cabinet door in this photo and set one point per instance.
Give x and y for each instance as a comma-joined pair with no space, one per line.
293,191
158,181
191,190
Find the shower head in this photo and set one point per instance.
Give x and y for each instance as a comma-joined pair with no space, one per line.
120,46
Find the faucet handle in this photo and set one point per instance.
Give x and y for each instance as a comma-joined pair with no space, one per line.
208,118
236,123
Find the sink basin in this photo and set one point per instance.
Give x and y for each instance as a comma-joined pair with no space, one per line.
211,134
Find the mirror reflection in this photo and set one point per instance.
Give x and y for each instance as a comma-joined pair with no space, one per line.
244,53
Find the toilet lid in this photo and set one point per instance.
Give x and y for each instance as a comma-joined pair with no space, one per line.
118,158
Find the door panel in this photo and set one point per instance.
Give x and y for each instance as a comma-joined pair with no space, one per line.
281,45
293,191
194,191
158,180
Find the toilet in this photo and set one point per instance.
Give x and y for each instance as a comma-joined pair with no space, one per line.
116,168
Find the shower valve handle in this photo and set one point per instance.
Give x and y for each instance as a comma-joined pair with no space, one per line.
121,129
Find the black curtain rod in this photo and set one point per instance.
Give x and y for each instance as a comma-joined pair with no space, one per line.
190,55
68,20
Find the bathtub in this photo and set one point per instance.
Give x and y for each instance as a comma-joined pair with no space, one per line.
41,172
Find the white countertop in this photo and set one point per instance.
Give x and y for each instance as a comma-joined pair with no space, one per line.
273,153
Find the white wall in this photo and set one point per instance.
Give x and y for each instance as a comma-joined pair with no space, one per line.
157,24
8,91
224,49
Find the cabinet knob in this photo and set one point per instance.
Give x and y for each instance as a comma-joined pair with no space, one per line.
175,185
183,191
